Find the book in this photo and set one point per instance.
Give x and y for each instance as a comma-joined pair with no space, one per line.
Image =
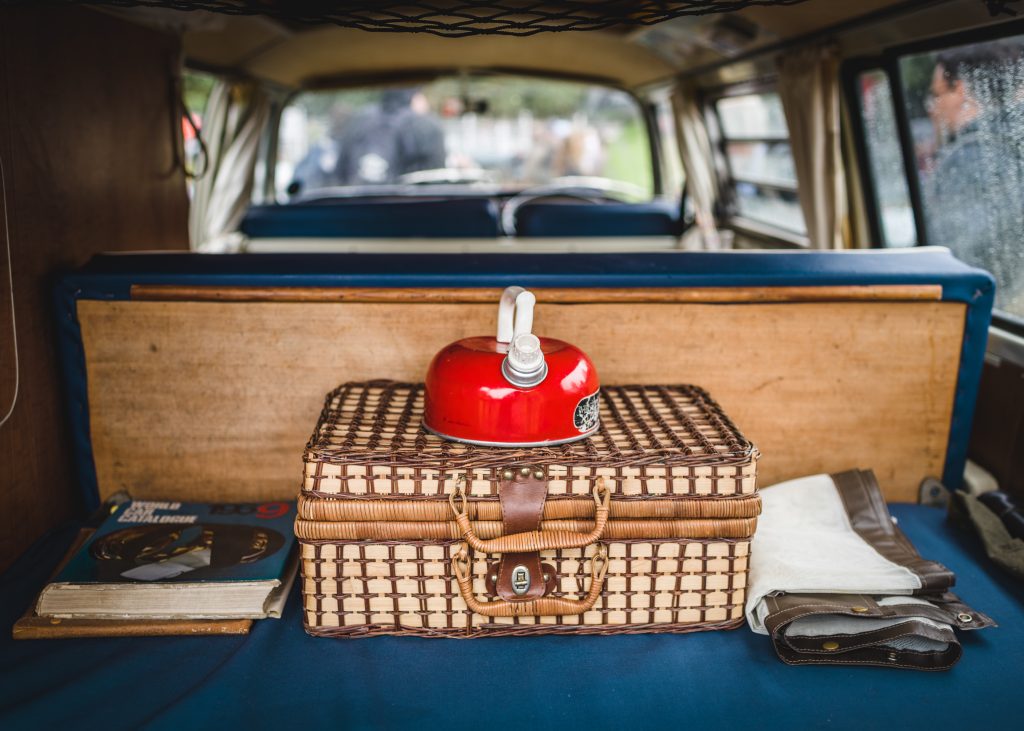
167,560
30,626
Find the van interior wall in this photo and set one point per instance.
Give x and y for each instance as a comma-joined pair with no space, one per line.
86,140
237,385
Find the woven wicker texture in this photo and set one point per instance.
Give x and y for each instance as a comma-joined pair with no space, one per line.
453,18
666,487
492,529
359,589
653,441
333,509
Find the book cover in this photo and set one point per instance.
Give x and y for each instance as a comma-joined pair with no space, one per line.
146,541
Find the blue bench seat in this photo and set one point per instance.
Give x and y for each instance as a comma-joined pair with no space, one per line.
360,218
557,219
279,677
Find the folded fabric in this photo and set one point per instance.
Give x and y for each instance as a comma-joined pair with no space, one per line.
833,580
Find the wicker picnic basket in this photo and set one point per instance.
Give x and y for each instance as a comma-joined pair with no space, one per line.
643,527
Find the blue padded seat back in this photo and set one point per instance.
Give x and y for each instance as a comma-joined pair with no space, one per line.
451,218
657,218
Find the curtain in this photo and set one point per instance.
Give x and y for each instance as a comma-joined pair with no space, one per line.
698,162
233,125
809,89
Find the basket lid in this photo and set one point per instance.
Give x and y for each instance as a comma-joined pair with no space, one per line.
380,423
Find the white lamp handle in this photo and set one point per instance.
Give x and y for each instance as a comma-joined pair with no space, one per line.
517,302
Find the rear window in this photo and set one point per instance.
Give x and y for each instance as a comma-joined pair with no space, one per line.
493,131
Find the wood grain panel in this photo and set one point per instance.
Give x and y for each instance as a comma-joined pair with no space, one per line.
86,133
200,400
841,293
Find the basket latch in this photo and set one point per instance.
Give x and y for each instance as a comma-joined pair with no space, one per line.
522,491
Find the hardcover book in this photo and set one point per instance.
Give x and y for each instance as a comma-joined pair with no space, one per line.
170,560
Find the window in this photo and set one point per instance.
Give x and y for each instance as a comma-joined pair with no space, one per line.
673,176
885,160
492,131
759,163
196,88
964,109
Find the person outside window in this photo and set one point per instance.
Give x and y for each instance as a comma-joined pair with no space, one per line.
376,145
974,196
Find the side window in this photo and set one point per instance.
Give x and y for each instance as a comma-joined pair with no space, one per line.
761,178
672,175
196,87
964,109
888,177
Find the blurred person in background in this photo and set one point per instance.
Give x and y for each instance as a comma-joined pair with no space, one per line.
375,145
316,169
398,135
974,195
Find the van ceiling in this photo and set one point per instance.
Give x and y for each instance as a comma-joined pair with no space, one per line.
295,54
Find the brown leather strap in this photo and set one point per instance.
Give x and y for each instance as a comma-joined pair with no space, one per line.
536,540
883,646
522,500
946,608
522,506
875,648
869,517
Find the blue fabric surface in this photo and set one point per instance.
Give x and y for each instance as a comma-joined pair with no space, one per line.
658,218
111,278
449,218
278,677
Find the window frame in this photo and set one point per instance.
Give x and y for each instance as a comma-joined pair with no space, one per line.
651,98
850,72
273,129
888,62
216,76
727,179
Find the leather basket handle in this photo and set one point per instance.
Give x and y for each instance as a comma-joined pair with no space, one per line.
543,607
536,540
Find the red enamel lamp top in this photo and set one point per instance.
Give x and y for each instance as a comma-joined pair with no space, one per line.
512,390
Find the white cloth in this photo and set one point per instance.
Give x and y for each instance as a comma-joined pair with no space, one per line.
804,544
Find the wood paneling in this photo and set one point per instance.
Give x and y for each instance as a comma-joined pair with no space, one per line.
845,293
207,399
85,137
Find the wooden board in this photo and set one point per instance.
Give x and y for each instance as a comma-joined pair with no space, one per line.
212,400
583,295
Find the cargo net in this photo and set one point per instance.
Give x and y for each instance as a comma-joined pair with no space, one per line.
457,19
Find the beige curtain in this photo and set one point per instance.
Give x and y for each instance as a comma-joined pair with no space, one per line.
698,162
809,88
233,124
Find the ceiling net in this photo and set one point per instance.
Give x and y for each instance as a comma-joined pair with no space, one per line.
456,19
